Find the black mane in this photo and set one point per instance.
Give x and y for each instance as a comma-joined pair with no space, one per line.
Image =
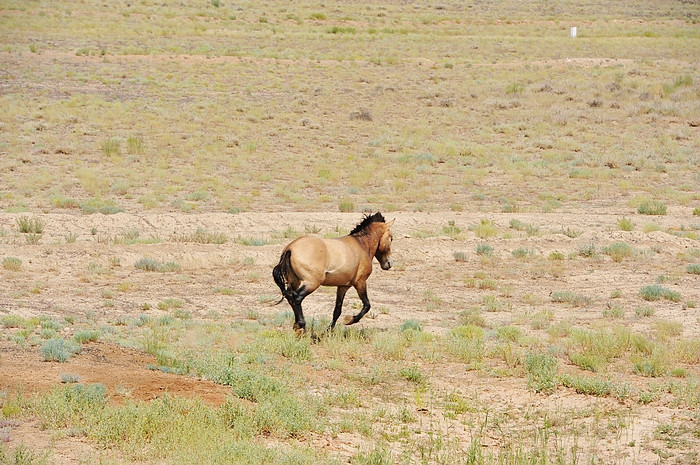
366,221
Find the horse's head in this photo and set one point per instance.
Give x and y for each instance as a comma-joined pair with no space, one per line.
384,249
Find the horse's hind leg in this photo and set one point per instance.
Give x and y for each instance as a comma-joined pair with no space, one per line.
295,300
339,296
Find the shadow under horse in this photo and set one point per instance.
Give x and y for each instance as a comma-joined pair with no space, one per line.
311,261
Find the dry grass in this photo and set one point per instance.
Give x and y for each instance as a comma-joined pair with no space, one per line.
203,110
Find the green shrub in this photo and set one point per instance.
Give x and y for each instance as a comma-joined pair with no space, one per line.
591,385
693,268
541,372
656,292
696,211
58,350
86,335
652,207
412,325
484,249
644,311
413,374
147,264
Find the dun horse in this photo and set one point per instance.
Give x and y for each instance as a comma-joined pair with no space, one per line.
312,261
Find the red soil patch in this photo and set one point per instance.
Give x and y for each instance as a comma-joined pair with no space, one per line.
124,372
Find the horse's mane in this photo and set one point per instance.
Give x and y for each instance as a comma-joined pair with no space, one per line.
361,228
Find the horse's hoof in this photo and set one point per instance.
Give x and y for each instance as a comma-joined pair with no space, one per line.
349,319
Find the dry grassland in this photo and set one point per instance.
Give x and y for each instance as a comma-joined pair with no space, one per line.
156,156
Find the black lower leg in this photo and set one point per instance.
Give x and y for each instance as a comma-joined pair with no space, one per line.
339,296
295,301
349,320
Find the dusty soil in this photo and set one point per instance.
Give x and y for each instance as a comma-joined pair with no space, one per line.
78,279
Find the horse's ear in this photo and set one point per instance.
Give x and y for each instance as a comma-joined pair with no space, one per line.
388,225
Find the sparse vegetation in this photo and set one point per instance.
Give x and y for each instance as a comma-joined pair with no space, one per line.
625,224
542,371
11,263
214,132
652,207
151,264
618,251
656,292
58,350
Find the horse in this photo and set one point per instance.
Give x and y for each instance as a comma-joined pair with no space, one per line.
311,261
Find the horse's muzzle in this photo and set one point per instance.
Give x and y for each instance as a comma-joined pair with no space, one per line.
386,265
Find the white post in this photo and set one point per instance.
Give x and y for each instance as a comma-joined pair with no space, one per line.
573,32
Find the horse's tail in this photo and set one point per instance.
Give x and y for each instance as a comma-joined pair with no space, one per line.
279,273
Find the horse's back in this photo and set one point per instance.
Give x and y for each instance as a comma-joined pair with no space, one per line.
328,261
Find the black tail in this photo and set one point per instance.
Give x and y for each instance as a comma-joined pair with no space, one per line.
279,273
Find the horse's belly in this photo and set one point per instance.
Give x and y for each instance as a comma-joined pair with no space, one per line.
337,278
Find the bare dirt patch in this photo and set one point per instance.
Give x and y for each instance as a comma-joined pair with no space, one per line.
124,372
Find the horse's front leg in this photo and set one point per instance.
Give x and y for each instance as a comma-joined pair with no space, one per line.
362,292
339,296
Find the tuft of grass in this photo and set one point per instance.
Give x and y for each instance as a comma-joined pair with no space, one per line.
484,249
346,206
451,229
485,229
571,233
413,374
411,325
618,251
134,145
170,303
68,378
522,253
12,263
541,372
467,344
556,256
202,236
652,207
591,385
643,312
111,147
657,292
459,256
588,250
28,225
693,268
86,335
696,211
151,264
625,224
572,298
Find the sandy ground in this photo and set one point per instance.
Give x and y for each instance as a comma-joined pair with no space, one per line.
70,279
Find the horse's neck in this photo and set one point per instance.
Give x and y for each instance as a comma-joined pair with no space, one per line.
370,241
